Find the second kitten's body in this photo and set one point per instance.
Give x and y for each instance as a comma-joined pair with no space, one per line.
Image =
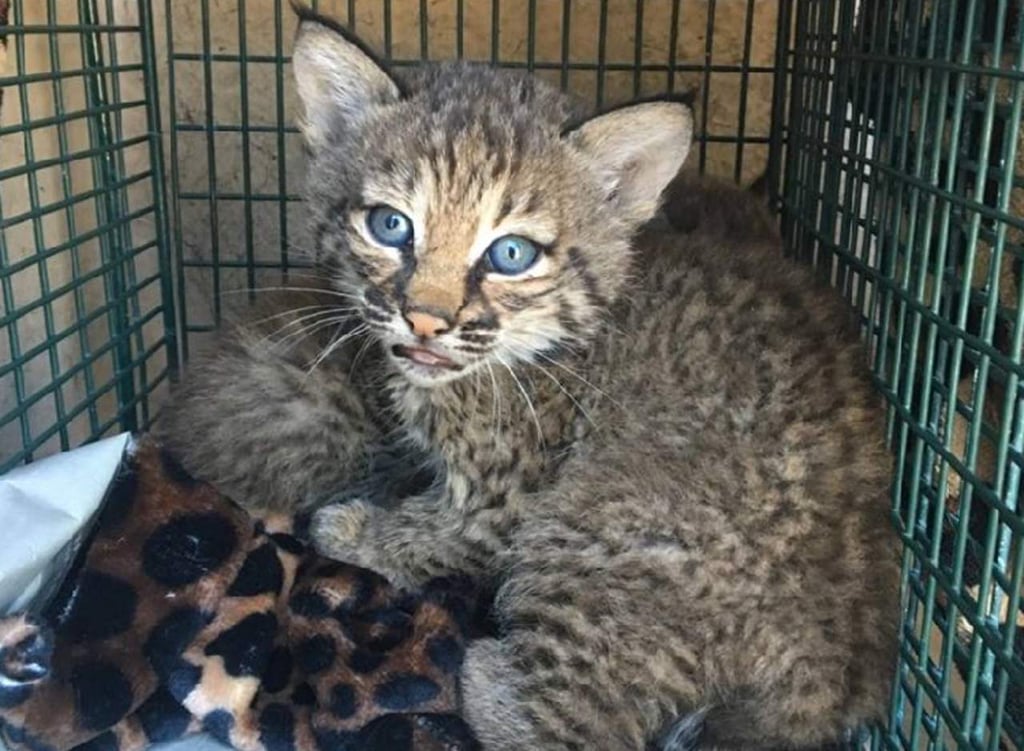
722,540
681,490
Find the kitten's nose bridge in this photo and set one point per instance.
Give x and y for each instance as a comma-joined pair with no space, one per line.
434,296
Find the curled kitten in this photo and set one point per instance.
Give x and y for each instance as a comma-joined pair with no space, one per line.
664,445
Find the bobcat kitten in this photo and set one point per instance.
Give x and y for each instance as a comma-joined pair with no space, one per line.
665,445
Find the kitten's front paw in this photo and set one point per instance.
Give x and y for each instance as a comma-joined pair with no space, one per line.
493,699
336,530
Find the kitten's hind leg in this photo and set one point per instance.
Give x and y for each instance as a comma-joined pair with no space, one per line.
531,695
802,710
563,676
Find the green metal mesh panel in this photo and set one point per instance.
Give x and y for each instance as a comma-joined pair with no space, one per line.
904,186
84,337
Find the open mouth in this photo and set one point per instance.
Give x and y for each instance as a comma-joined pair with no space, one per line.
425,357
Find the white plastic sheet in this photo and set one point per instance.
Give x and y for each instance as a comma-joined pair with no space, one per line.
43,508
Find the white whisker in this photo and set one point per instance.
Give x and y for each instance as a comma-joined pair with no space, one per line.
287,313
495,414
318,290
334,344
570,371
565,391
328,311
359,355
526,396
297,336
301,322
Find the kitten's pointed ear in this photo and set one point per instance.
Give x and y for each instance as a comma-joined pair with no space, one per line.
338,78
636,151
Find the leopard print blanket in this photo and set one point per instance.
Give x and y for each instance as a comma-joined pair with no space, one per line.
184,614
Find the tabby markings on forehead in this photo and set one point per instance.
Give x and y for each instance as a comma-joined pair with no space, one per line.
497,215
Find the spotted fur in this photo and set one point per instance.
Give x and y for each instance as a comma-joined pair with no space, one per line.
663,442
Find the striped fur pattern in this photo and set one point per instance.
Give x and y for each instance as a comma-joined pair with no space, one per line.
661,441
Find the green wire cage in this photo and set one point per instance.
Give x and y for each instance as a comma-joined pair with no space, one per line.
148,166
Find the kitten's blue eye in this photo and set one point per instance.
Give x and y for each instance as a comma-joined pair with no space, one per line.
390,226
512,255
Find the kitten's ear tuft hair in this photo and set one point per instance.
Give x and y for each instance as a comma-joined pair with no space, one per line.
636,150
339,80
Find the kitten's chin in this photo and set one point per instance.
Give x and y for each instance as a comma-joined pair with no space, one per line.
424,376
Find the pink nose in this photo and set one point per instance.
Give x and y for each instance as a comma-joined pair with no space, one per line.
425,325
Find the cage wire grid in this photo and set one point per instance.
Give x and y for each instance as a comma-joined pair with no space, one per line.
892,149
86,308
903,187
